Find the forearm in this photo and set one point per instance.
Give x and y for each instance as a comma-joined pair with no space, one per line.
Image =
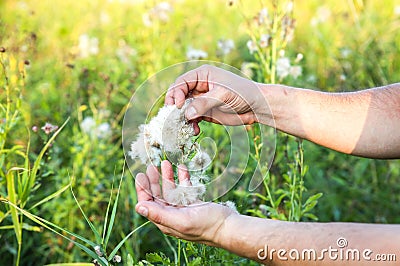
364,123
286,243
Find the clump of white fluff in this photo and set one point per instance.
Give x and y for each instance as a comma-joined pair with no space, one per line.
170,132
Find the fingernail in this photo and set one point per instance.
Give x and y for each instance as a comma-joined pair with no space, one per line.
191,113
143,211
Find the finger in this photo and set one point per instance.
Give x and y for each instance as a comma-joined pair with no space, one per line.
154,180
168,182
183,175
204,104
143,188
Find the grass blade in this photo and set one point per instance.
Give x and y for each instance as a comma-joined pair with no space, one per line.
115,250
50,197
32,175
12,197
108,209
114,211
48,225
96,233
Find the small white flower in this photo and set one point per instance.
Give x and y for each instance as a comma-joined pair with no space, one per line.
225,46
252,46
125,52
322,15
264,40
103,131
90,127
262,16
117,259
343,77
88,46
283,67
88,124
295,71
299,57
195,54
160,12
97,249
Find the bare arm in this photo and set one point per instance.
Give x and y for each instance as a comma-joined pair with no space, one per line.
364,123
268,241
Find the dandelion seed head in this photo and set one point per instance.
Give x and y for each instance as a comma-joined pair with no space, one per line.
184,195
225,46
195,54
283,67
200,161
295,71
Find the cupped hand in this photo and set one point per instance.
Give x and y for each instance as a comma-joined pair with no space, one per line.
200,222
219,96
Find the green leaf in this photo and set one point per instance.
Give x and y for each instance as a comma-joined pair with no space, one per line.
32,176
50,197
96,233
12,197
48,225
114,211
115,250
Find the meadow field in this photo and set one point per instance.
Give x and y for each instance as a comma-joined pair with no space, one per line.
68,70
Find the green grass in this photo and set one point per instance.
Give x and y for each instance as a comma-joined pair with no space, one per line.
347,45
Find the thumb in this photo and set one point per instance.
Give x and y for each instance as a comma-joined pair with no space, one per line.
201,105
155,212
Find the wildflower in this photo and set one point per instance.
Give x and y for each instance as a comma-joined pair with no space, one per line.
295,71
264,40
97,249
103,131
124,52
89,127
225,46
343,77
96,263
262,17
88,124
252,46
88,46
194,54
117,259
299,57
283,67
49,128
2,50
322,15
35,129
159,12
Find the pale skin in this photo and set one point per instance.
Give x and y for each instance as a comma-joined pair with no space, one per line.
364,123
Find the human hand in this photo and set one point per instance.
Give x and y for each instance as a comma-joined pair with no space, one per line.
219,96
201,222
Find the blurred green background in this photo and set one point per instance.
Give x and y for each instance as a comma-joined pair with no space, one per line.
84,59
